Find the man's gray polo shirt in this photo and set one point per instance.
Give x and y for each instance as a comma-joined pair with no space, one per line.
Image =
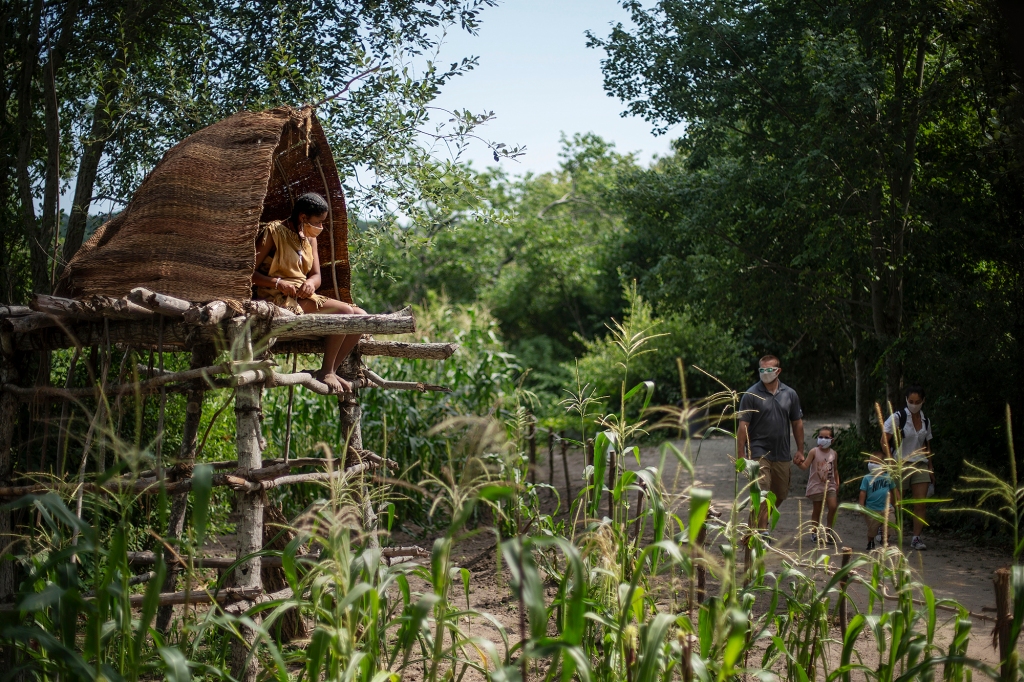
770,420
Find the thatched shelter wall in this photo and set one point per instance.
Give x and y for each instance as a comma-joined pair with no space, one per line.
190,229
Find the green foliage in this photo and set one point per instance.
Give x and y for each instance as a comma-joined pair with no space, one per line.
396,424
679,335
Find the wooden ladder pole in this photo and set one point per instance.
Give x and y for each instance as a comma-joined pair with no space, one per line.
201,357
244,662
351,414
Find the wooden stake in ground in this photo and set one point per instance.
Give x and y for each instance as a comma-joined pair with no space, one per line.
245,667
844,618
201,357
551,458
531,445
565,468
1004,619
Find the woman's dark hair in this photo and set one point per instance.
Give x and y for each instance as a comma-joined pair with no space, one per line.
914,388
309,204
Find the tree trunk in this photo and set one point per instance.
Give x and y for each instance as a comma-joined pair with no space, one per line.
8,422
88,167
245,667
29,60
201,357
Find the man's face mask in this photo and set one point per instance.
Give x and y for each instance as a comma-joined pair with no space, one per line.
768,374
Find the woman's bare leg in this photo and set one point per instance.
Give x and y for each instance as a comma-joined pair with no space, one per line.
919,491
334,344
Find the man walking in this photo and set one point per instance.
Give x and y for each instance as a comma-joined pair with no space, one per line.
768,410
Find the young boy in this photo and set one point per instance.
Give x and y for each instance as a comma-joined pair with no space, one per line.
875,489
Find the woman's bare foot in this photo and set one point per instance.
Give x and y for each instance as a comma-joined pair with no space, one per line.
334,382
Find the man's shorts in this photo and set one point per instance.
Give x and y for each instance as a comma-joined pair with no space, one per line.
774,477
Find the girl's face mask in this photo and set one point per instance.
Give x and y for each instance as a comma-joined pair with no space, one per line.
824,443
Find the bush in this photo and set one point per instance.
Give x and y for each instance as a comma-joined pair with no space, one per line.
678,335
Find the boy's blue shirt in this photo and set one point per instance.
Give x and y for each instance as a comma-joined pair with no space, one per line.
877,485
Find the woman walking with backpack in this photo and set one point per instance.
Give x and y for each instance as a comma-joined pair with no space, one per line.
915,435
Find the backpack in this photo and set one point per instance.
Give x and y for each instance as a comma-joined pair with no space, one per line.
902,416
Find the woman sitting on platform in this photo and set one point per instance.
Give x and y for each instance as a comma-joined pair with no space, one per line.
288,275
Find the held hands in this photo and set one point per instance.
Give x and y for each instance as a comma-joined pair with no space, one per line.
798,458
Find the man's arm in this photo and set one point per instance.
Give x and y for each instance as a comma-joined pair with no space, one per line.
798,434
741,439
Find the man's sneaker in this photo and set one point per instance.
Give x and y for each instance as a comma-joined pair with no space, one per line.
871,545
915,543
878,536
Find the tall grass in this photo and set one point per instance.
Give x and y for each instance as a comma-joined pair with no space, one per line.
598,593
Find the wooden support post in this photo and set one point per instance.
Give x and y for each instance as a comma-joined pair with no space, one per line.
551,458
351,427
531,448
844,617
244,663
1004,619
702,569
8,422
565,468
201,357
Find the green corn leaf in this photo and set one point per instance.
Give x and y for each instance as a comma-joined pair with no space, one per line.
175,665
700,503
648,388
150,603
650,648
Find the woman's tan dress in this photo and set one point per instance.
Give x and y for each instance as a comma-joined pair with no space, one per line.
291,260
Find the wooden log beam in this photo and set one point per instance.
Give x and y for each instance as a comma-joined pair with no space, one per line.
319,326
380,382
391,349
162,304
14,310
147,386
206,562
208,315
227,595
26,324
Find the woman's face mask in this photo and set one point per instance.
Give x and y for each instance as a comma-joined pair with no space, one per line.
312,231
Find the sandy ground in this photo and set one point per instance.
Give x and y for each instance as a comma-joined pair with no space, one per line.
953,570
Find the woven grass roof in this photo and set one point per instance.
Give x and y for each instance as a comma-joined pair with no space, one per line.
189,230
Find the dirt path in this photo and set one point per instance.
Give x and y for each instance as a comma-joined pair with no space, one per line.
953,569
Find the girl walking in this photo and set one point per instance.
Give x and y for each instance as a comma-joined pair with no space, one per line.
823,481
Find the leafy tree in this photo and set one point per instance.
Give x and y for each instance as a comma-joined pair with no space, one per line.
834,157
97,90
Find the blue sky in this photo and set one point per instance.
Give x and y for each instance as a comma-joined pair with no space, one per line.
539,78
